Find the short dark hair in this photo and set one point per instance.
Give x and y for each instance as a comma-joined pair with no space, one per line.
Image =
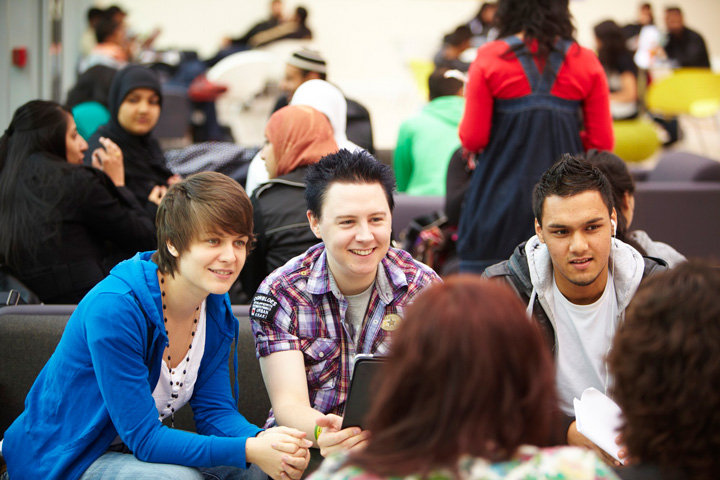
459,36
204,202
673,9
541,21
302,14
569,176
94,13
666,365
346,167
621,182
460,380
439,86
104,28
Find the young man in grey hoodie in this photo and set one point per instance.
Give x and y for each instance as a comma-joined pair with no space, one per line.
576,279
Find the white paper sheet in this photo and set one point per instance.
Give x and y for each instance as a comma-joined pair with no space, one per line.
598,418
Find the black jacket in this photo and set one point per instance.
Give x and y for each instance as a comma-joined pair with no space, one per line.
282,230
99,225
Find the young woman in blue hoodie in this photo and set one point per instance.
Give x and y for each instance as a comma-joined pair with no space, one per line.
152,336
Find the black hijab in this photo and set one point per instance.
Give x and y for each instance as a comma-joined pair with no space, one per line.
144,160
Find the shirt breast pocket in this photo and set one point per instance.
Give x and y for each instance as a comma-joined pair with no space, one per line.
322,362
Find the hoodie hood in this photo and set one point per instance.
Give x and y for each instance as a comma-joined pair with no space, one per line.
449,109
626,266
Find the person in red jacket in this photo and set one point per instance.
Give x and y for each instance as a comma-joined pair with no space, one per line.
531,96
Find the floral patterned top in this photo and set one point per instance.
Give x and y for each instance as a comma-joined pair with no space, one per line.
557,463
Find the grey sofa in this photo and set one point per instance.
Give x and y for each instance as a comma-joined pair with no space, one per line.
30,333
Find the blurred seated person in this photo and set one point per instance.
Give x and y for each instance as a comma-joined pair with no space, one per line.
354,132
234,45
135,101
466,393
88,99
111,47
305,65
62,221
620,69
327,99
483,25
666,366
88,40
684,47
623,191
454,44
296,136
427,141
631,31
295,28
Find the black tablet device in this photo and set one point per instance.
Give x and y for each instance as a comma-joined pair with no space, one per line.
362,389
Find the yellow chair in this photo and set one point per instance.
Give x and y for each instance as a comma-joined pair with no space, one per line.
688,91
635,140
421,70
693,92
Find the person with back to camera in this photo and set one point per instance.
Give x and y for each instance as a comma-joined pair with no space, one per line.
96,410
427,141
466,393
134,103
666,366
524,99
62,221
297,136
623,191
576,280
341,297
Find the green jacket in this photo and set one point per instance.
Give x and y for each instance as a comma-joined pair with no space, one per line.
424,147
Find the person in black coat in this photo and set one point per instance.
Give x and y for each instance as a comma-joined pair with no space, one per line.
135,102
64,224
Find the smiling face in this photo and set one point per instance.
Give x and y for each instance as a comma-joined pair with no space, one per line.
139,112
577,232
211,264
355,226
75,144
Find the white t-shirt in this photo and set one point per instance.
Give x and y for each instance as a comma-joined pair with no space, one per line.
169,398
584,335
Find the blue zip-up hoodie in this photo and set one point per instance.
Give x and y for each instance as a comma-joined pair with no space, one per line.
98,384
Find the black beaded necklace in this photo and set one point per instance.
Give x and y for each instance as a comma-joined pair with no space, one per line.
187,358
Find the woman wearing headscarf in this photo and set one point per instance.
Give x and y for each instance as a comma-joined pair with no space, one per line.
134,102
327,99
296,136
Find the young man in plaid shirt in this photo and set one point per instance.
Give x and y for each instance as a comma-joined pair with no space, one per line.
342,297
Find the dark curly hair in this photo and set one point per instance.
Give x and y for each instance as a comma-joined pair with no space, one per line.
541,20
666,364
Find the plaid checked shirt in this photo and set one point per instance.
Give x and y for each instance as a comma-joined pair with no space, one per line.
295,308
